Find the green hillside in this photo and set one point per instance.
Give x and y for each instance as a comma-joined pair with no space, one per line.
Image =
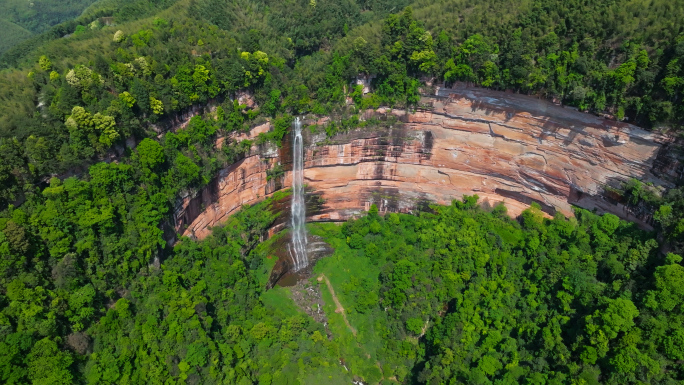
39,15
92,292
20,19
47,20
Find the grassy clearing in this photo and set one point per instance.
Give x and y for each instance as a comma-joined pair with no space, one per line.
362,352
280,299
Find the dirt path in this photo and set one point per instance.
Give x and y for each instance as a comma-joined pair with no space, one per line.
340,309
338,305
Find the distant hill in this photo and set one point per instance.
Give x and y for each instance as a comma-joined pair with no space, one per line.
19,19
12,34
46,21
39,15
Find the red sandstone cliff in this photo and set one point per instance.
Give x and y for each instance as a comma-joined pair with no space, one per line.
503,147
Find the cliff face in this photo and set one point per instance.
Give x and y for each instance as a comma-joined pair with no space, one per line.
503,147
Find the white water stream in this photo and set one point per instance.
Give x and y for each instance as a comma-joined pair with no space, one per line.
298,208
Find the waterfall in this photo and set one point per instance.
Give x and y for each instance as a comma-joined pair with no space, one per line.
298,210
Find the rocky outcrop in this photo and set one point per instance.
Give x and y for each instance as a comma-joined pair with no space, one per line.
503,147
242,183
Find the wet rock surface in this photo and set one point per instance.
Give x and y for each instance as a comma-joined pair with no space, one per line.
282,273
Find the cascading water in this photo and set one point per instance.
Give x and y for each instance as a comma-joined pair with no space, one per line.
297,247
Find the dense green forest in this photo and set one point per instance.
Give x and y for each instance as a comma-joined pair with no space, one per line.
458,294
93,291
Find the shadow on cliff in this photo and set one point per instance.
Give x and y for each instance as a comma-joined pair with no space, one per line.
614,199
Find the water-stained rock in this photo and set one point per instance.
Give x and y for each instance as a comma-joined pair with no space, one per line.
283,273
503,147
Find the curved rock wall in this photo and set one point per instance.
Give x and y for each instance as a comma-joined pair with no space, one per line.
503,147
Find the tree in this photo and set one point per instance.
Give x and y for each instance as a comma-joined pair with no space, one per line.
17,237
83,78
45,63
617,317
157,106
48,365
670,287
151,153
609,223
461,72
98,130
119,36
187,172
414,325
674,345
127,98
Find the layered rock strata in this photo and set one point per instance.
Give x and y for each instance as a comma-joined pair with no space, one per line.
503,147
